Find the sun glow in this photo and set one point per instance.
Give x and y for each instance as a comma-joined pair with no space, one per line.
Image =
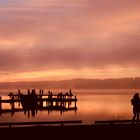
64,74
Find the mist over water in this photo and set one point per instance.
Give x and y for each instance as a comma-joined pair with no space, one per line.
92,105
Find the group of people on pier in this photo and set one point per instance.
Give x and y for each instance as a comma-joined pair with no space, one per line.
32,92
41,92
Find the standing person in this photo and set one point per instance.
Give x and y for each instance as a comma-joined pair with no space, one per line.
42,91
135,101
28,91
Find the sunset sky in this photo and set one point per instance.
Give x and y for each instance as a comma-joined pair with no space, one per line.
65,39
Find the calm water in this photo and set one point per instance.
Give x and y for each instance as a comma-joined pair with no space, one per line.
92,105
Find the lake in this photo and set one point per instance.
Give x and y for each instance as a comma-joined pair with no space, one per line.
92,105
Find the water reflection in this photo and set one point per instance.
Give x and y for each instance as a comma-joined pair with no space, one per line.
92,105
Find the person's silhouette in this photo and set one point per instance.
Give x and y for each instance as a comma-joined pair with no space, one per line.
135,101
28,91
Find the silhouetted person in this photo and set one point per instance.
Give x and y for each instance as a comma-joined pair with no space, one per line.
70,92
19,92
40,91
33,92
28,91
10,94
135,101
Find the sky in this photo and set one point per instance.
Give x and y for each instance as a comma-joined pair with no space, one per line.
66,39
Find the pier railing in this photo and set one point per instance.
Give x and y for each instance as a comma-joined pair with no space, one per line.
20,124
116,122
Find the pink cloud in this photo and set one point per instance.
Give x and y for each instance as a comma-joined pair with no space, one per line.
69,34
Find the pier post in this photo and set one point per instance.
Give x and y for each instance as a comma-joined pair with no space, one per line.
75,101
0,103
68,104
40,101
65,101
12,105
51,104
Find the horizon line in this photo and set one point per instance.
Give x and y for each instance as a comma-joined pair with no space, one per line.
69,79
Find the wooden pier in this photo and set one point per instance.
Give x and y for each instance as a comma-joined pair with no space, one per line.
34,102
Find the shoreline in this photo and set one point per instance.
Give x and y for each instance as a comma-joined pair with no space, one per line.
102,131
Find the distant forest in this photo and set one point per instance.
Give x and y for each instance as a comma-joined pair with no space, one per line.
122,83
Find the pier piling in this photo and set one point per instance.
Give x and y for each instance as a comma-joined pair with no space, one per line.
0,103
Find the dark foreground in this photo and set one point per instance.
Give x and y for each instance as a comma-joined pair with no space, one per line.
115,131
